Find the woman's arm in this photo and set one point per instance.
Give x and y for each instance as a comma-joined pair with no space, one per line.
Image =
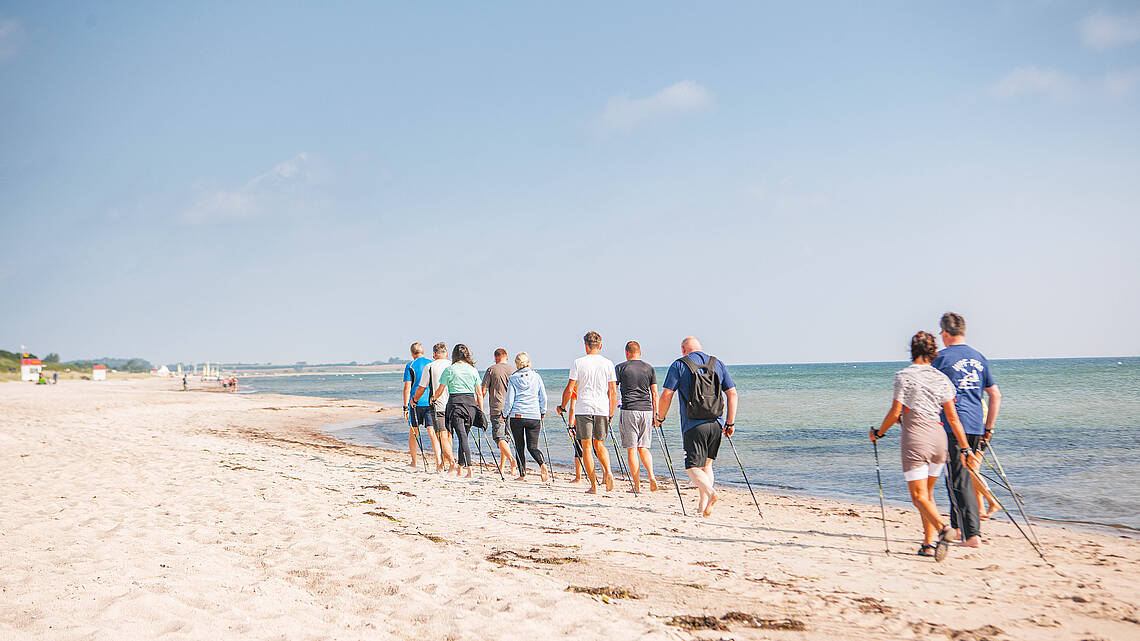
955,425
509,401
891,418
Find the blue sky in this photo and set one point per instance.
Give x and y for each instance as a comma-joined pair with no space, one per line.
272,182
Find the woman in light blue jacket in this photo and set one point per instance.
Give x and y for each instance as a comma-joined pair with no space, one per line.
524,408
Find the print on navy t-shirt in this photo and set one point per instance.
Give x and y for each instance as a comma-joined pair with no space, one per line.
970,373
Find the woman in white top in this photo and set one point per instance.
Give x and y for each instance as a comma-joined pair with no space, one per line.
920,393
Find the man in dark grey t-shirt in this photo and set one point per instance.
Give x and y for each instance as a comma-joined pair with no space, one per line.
495,391
638,384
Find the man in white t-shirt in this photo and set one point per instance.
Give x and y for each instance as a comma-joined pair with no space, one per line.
429,382
594,379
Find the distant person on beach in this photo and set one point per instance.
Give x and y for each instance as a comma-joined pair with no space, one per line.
185,385
638,384
921,392
495,391
418,412
971,375
524,407
54,378
429,382
461,382
593,377
703,383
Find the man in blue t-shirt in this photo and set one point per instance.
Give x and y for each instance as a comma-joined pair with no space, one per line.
971,375
701,436
418,413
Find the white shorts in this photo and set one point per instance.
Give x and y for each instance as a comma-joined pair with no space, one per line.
931,470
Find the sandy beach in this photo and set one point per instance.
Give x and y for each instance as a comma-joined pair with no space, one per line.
133,510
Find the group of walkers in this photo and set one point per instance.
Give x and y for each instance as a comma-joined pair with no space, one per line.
940,393
446,397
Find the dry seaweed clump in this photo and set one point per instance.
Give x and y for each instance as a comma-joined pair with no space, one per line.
433,538
505,557
606,592
706,622
690,622
382,514
764,624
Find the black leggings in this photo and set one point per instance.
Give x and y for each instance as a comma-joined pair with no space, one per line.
530,428
460,416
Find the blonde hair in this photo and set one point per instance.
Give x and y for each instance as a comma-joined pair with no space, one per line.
522,360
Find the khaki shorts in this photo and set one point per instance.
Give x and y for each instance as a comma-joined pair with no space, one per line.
636,427
587,427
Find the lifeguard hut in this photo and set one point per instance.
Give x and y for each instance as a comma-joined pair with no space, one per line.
30,369
99,373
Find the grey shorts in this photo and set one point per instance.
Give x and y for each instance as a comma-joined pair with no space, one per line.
587,426
498,428
636,427
438,422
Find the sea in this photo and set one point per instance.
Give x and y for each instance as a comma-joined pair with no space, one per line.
1067,434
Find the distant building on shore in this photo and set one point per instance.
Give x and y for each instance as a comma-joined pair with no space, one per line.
99,373
30,369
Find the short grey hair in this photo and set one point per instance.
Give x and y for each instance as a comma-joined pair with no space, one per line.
439,349
522,360
953,324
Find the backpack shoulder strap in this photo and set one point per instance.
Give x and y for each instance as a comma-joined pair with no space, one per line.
693,367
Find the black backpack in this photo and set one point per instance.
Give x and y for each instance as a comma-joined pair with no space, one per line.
705,401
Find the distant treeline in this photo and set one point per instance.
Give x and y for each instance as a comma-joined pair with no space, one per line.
52,362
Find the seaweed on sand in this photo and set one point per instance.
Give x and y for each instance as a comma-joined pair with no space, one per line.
505,557
381,514
606,592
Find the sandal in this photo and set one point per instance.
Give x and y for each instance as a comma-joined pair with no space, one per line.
943,543
922,551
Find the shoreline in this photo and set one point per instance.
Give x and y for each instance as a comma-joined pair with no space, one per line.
142,511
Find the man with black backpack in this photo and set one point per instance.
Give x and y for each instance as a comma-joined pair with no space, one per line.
704,385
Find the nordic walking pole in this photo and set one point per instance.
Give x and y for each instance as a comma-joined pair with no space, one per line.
411,416
1009,486
479,448
882,508
491,450
669,462
573,443
621,464
754,501
1015,524
549,463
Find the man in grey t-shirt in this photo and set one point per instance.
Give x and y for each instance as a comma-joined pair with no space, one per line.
495,391
638,383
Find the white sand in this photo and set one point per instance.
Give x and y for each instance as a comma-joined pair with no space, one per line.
133,511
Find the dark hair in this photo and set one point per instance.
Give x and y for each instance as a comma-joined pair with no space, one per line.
500,352
633,347
592,339
953,324
439,348
922,345
461,353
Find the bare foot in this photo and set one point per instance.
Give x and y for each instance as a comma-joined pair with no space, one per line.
542,473
973,542
712,501
577,480
633,491
990,512
653,484
609,478
592,490
412,464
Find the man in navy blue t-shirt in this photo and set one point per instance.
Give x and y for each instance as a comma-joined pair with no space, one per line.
971,375
701,437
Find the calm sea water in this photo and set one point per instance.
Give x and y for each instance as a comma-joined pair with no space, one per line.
1068,432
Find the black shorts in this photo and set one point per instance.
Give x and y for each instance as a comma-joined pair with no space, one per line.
420,415
701,444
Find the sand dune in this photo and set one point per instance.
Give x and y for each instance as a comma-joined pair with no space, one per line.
134,511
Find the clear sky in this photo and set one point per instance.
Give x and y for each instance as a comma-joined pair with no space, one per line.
280,182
